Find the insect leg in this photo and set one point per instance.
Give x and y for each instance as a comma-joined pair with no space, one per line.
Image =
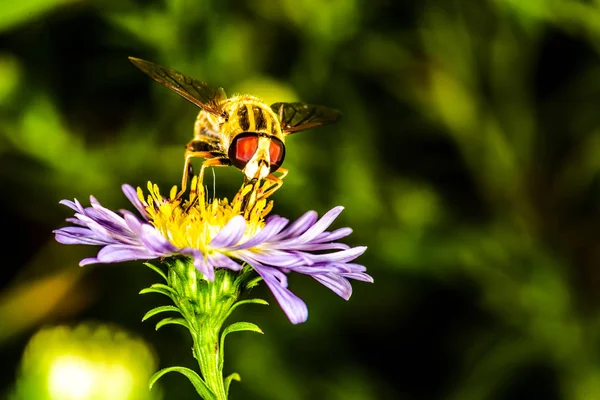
277,182
212,162
187,166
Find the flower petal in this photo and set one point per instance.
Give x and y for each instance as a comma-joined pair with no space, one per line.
115,253
200,262
310,246
230,234
88,261
219,260
332,236
72,205
336,283
360,276
132,196
292,305
154,241
298,227
77,235
274,225
203,266
321,225
274,258
340,256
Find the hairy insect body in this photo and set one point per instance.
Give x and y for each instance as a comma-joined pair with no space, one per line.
208,135
249,114
241,131
239,114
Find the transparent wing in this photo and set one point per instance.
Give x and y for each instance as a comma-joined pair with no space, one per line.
193,90
295,117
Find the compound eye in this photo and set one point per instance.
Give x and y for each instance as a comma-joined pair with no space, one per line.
276,153
242,149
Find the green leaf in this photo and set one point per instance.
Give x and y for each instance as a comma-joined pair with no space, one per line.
156,290
10,71
165,287
241,326
136,23
242,302
235,327
250,301
15,13
194,378
157,270
158,310
161,289
254,282
235,376
172,321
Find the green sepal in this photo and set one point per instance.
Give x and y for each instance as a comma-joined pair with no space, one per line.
172,321
233,377
157,270
194,378
235,327
158,310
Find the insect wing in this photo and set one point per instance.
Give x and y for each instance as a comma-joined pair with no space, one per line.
191,89
295,117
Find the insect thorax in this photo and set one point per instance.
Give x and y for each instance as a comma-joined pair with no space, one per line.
249,114
243,114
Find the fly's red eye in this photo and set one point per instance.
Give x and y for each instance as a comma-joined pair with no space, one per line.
245,149
242,149
276,153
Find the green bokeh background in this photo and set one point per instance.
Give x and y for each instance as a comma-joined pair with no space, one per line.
468,160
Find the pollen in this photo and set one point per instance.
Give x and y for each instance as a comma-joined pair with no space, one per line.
196,221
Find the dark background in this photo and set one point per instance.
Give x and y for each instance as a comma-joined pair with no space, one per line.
468,161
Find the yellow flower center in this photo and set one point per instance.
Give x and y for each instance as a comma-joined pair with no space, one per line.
196,221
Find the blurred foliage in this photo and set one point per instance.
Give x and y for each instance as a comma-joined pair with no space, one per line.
467,160
90,361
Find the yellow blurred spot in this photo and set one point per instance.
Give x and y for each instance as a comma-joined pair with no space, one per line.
121,381
25,305
71,378
267,89
10,76
88,362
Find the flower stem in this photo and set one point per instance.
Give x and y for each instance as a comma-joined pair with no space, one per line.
204,307
206,351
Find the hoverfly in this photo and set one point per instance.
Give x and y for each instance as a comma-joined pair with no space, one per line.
241,130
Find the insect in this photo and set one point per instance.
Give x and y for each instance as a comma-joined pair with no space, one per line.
241,130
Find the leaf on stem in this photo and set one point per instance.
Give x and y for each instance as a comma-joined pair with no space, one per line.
249,301
254,282
157,270
235,327
172,321
158,310
160,289
194,378
233,377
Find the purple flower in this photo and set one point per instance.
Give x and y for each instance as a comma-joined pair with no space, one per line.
215,235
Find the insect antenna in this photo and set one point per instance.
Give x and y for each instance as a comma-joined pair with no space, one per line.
214,184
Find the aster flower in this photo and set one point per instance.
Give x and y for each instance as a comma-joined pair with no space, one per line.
219,234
